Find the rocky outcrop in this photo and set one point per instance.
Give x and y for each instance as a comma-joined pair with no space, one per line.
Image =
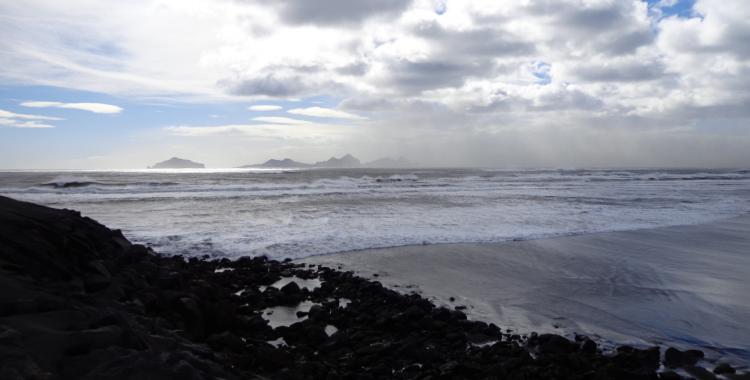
75,303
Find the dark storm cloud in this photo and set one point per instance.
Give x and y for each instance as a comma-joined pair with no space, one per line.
738,110
625,43
336,12
621,72
481,42
607,28
567,100
458,56
734,41
367,104
559,99
268,85
737,38
417,76
353,69
592,19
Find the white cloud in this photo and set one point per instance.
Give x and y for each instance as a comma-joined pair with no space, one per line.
282,120
21,120
666,3
280,131
264,107
324,112
24,124
90,107
13,115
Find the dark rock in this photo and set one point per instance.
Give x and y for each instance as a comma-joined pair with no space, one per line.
413,312
449,367
588,346
699,373
723,368
553,344
290,289
225,340
674,358
694,356
637,361
669,375
316,312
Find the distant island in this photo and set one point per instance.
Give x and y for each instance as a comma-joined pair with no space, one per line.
285,163
345,161
177,163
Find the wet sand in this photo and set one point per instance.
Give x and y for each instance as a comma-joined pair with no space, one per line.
685,286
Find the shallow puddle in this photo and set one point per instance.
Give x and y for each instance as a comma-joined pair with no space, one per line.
286,315
278,342
330,330
310,284
484,344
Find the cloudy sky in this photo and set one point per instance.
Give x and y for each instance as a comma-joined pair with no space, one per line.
532,83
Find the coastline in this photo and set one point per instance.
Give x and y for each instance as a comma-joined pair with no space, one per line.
679,285
79,301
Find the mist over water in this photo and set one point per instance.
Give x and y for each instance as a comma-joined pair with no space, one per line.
287,213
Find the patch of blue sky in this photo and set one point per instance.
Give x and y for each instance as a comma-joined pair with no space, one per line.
441,7
97,132
540,71
324,101
82,133
669,8
144,113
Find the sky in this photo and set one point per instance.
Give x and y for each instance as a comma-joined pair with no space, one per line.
91,84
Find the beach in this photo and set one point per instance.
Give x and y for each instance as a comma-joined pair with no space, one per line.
684,286
79,301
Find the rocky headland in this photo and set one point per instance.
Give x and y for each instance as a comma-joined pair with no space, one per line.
79,301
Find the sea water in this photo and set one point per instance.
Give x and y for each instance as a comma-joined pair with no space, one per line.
299,213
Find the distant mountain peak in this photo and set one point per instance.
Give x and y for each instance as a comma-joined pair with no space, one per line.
282,163
346,161
177,163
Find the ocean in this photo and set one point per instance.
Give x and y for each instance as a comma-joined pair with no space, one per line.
301,213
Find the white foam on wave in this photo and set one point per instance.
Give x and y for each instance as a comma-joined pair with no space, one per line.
69,180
